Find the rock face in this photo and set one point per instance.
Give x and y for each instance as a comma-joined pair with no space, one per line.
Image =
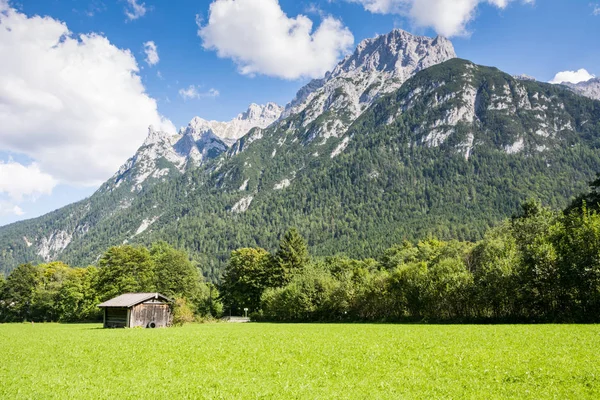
379,65
589,88
524,77
259,116
163,155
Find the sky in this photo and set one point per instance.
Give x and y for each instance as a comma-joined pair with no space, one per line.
81,80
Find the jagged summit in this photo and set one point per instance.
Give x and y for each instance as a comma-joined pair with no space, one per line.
524,77
397,52
163,153
156,136
589,88
378,65
256,112
256,115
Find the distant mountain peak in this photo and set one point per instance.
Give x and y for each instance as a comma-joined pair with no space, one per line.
156,136
260,114
199,141
395,52
589,88
379,65
524,77
256,116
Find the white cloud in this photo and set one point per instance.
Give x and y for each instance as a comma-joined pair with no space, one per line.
193,92
447,17
596,10
135,9
74,105
262,39
572,76
19,181
7,208
151,53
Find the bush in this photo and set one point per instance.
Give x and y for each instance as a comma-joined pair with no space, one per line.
182,312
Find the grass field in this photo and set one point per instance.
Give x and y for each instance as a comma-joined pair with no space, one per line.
300,361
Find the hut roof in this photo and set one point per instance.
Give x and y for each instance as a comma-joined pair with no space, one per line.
131,299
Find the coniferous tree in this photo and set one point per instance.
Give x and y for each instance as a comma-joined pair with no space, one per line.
292,255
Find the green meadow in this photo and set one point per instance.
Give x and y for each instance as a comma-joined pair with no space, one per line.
312,361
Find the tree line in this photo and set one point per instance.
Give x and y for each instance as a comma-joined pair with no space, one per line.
56,292
539,266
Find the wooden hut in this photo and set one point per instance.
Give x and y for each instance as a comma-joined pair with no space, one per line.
148,310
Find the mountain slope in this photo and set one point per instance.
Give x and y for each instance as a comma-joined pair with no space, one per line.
161,157
454,150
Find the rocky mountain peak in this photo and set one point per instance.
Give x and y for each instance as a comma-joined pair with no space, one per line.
397,52
524,77
261,114
589,88
155,136
163,153
197,128
379,65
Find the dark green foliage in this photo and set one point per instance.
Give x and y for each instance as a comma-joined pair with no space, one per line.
292,255
77,299
175,274
589,200
247,274
49,292
125,269
19,292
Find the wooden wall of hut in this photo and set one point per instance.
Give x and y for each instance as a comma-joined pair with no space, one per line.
149,313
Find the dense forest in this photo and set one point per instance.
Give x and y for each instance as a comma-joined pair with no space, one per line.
540,265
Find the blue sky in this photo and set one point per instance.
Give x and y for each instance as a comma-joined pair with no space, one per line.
538,38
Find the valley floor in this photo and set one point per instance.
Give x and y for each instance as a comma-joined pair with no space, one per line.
300,361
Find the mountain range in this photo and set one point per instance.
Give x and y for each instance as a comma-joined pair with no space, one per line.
399,141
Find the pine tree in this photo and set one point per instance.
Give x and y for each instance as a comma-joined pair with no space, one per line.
292,255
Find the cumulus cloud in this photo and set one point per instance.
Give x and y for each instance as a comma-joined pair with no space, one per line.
74,105
19,181
193,92
596,9
447,17
7,208
135,10
262,39
572,76
151,53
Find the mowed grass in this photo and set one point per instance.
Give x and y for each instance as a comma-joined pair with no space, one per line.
311,361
